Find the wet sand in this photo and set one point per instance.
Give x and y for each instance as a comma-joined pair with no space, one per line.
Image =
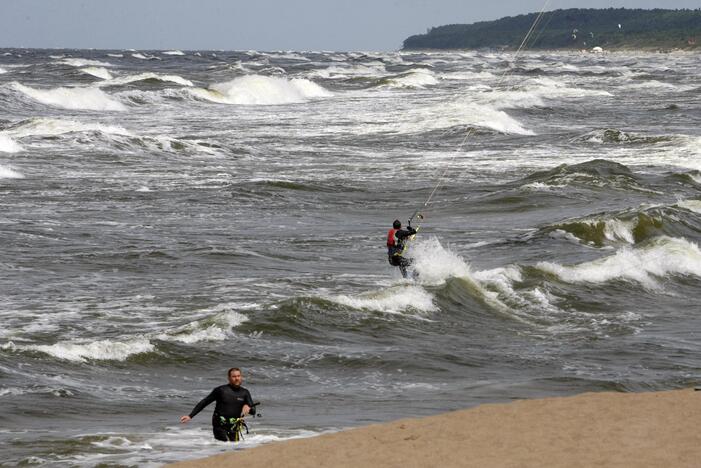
656,429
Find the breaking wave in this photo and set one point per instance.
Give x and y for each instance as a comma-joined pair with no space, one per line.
8,145
660,257
393,300
72,98
415,78
215,328
147,77
44,127
97,72
7,173
112,135
451,115
368,71
262,90
81,62
534,93
102,350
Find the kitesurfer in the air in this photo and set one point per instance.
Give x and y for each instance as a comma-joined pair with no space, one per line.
396,245
233,403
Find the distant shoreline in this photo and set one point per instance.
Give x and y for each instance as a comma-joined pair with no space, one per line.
641,430
650,50
571,29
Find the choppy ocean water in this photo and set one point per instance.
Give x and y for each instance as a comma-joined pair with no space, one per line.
167,215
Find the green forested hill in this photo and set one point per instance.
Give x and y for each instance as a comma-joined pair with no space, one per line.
574,28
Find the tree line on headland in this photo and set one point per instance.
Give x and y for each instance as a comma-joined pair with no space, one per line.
576,28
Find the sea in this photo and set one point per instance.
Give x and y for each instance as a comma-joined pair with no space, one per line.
167,215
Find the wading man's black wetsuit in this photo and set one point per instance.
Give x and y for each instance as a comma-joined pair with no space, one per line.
230,401
396,238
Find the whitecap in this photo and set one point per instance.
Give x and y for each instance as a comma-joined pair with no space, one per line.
262,90
102,350
122,80
663,256
81,62
390,300
7,173
141,56
445,115
415,78
691,205
215,328
72,98
51,127
173,52
97,72
8,145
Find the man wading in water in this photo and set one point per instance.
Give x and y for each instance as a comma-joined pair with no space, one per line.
233,403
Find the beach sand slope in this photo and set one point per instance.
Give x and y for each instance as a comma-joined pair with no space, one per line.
659,429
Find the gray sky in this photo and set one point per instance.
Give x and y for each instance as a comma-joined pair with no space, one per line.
258,24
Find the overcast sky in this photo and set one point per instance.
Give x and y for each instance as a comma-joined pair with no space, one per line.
257,24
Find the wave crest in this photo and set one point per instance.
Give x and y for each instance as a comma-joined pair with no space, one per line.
102,350
662,256
262,90
72,98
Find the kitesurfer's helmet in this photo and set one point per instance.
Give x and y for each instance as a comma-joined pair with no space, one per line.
397,224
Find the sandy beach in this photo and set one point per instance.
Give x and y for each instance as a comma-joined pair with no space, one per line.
593,429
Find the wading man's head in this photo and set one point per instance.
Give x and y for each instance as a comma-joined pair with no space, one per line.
235,377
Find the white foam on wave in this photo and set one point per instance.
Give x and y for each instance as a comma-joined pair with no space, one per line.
116,55
102,350
173,52
122,80
81,62
451,114
98,72
215,328
2,70
691,205
615,229
366,70
52,127
8,145
141,56
72,98
663,256
436,264
415,78
654,85
262,90
112,134
394,300
534,93
468,76
14,391
7,173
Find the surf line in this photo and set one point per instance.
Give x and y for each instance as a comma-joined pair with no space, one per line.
419,213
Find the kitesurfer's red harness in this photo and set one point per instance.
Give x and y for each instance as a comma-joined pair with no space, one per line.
391,239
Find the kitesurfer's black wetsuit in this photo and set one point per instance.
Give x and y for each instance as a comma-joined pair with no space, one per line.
394,253
230,401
